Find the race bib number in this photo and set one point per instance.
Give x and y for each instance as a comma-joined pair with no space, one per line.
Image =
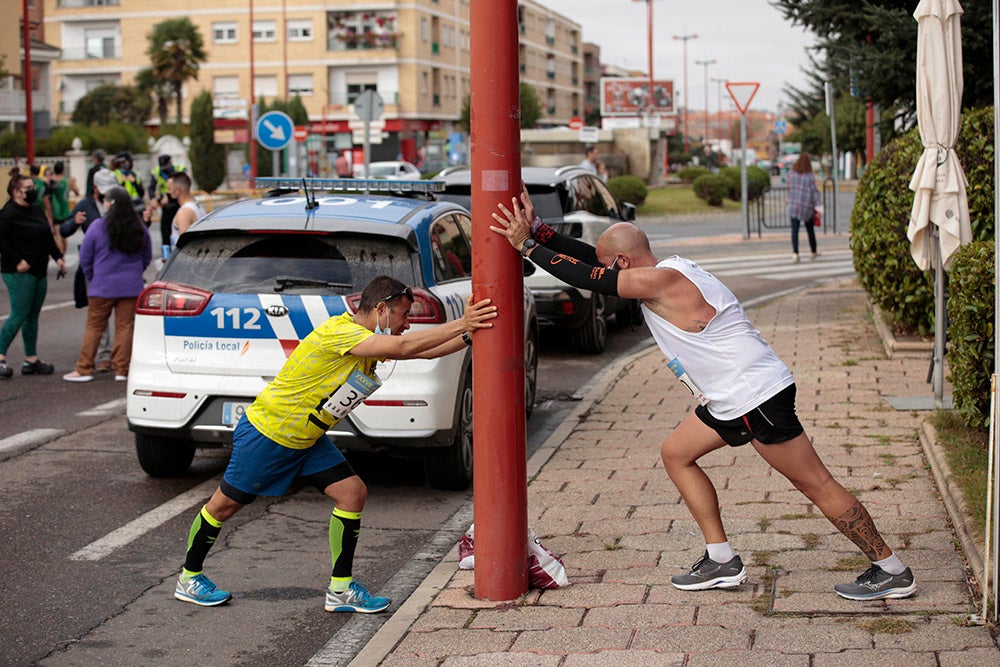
677,369
350,395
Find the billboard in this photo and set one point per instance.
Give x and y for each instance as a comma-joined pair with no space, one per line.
630,97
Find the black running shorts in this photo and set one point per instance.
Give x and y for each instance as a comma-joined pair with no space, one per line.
770,423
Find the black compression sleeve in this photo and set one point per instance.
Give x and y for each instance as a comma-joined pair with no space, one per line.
575,272
566,245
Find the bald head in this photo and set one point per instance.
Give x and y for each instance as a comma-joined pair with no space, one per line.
624,239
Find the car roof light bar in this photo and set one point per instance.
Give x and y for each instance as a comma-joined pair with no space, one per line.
348,184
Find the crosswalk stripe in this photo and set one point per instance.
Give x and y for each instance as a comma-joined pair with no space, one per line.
779,266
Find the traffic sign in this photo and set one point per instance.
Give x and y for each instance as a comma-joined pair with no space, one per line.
588,135
369,105
274,130
742,93
780,127
301,133
575,123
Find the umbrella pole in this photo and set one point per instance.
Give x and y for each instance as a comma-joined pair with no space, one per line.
939,318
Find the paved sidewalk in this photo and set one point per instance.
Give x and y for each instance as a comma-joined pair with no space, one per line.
598,496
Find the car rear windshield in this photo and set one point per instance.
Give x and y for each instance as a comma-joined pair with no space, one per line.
545,199
290,263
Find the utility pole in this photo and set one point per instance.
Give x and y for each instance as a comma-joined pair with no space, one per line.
684,117
705,64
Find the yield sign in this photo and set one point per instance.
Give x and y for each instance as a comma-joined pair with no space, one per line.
742,93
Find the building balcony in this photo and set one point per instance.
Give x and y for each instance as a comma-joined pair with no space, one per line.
88,3
76,54
12,103
363,41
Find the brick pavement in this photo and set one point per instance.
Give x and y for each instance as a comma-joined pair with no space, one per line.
601,500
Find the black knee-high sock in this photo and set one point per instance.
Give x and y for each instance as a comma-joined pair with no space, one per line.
204,530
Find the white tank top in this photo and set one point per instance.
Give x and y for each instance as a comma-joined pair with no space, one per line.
175,233
728,366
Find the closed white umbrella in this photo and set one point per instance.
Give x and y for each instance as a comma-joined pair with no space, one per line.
939,221
938,180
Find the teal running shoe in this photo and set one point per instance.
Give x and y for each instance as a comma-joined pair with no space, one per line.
201,591
356,598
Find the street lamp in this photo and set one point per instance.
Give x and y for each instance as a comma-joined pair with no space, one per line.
649,25
718,106
706,63
684,118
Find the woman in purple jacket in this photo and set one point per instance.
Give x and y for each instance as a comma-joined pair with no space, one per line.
116,251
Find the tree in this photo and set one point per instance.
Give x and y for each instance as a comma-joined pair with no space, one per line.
176,51
208,159
870,48
109,103
146,82
531,109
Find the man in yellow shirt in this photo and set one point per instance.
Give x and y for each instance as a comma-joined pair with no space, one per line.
283,433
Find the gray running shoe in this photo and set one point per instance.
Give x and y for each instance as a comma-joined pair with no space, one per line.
877,584
706,573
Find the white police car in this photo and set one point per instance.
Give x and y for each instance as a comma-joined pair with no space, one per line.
250,280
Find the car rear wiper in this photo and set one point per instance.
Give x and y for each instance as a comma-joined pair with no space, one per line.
281,282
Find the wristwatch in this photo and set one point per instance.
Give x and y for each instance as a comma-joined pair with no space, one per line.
466,338
527,245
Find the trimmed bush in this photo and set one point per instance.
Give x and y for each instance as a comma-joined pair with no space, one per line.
628,189
689,174
970,330
758,180
712,188
881,215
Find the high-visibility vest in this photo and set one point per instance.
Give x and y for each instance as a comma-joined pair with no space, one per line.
127,184
161,179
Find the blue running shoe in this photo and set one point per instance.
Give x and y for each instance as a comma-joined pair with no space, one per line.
355,598
201,591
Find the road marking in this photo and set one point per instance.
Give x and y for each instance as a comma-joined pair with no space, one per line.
29,438
103,409
149,521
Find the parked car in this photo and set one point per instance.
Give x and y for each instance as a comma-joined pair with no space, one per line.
250,280
574,202
392,170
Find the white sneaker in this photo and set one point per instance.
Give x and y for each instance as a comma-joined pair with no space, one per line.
76,377
121,378
795,258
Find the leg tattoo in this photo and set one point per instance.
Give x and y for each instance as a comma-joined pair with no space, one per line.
859,528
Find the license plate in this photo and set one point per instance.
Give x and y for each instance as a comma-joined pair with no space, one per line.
232,412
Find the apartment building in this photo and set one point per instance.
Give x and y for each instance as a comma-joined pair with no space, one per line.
414,53
13,103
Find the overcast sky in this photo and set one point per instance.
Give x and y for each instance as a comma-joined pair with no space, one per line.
749,39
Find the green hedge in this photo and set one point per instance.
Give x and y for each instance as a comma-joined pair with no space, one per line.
970,330
758,180
712,188
628,189
690,174
113,137
881,215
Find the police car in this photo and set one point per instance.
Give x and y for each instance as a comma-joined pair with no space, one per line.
250,280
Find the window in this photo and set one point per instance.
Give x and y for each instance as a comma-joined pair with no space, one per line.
224,32
266,86
424,31
451,252
300,84
300,30
355,89
100,42
264,31
226,87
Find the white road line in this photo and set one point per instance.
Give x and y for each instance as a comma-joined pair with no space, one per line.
103,409
150,520
29,438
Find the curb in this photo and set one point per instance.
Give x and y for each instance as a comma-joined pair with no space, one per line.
393,630
895,347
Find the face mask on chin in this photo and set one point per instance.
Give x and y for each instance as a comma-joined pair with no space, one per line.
379,331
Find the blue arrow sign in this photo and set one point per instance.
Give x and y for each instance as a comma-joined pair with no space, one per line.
274,130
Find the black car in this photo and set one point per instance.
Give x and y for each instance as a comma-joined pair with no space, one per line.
574,202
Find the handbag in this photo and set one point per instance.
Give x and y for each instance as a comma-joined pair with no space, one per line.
80,289
817,217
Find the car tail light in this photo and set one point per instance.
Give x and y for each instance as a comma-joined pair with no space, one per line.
168,299
426,309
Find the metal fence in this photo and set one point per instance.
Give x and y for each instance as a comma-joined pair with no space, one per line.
770,210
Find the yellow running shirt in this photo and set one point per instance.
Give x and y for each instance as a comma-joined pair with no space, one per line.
317,387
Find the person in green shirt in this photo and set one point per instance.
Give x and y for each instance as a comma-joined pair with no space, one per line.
283,434
59,187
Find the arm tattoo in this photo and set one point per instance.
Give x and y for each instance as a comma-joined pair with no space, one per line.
857,525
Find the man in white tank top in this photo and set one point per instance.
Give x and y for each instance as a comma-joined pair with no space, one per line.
190,211
745,393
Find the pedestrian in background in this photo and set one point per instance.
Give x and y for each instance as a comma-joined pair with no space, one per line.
190,211
97,163
116,251
343,166
26,243
41,181
131,181
86,211
59,188
592,162
803,198
159,194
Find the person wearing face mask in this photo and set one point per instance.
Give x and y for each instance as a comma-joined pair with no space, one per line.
131,181
283,434
26,243
160,195
87,210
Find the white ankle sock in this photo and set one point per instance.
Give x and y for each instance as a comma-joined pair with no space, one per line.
721,552
892,565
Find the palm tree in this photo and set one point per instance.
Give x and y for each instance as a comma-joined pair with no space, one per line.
147,83
176,50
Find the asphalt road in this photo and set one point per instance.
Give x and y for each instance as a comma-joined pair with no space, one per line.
92,545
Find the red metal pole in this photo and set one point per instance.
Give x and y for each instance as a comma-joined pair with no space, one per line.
501,494
29,110
652,99
869,131
250,114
